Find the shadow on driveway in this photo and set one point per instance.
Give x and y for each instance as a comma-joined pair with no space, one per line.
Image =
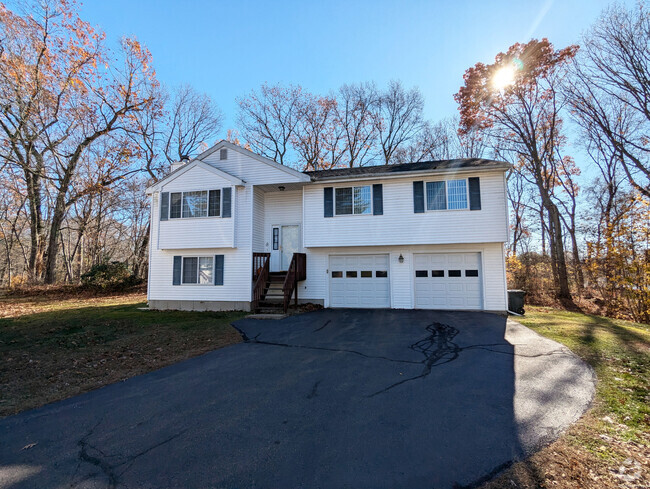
328,399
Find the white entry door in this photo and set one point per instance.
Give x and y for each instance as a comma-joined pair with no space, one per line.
448,281
359,281
285,242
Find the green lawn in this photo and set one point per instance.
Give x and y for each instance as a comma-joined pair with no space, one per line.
54,349
611,442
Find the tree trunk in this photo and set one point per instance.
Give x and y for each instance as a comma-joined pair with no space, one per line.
557,251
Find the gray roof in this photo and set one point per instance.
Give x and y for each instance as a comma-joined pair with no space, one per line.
423,166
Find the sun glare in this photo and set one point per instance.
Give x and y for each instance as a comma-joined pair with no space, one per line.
503,77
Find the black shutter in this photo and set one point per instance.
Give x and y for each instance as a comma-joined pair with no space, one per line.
474,194
218,269
164,206
226,205
418,197
178,260
377,199
329,201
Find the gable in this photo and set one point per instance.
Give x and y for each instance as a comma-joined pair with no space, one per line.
196,178
208,173
249,167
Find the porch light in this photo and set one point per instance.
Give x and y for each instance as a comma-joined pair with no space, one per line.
401,258
281,188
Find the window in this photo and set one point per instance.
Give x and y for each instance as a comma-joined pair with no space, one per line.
351,274
175,205
450,194
381,274
436,196
437,273
223,154
337,274
471,273
205,270
353,200
366,273
195,204
199,203
276,238
454,273
190,269
421,273
214,203
198,270
457,194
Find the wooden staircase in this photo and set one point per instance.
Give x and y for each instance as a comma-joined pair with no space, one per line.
273,291
272,301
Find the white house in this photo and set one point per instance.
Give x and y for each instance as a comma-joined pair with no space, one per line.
227,226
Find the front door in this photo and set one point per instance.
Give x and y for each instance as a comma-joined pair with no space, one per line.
290,244
285,242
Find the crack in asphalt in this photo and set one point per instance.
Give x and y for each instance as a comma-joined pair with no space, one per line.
437,347
112,471
313,392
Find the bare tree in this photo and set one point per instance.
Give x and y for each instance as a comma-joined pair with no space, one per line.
194,118
609,88
399,118
318,139
268,119
357,113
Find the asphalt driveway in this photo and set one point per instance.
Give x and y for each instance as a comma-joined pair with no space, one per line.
328,399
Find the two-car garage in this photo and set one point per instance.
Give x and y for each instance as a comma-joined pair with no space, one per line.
439,280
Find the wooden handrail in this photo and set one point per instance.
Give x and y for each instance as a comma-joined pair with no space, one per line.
260,277
297,272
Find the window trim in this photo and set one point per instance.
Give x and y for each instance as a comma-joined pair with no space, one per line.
352,187
198,270
447,209
207,213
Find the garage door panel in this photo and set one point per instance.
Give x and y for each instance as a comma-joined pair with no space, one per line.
359,285
440,289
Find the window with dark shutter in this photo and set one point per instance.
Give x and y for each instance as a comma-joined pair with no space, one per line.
164,206
329,202
226,205
378,199
474,193
418,197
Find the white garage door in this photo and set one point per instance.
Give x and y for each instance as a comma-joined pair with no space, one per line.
448,281
359,281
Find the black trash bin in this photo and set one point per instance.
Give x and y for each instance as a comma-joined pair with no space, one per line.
516,301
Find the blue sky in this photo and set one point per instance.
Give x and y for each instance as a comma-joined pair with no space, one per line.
228,48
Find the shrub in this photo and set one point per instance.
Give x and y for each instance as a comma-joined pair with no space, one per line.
109,276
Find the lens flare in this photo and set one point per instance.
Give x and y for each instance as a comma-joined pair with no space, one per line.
504,77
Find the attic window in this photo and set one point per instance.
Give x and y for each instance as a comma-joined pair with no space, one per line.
223,154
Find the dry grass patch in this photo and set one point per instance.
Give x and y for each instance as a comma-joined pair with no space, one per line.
55,348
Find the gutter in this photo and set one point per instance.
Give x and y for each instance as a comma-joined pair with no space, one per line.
406,174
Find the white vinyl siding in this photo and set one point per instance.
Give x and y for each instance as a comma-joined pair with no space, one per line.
399,225
199,232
